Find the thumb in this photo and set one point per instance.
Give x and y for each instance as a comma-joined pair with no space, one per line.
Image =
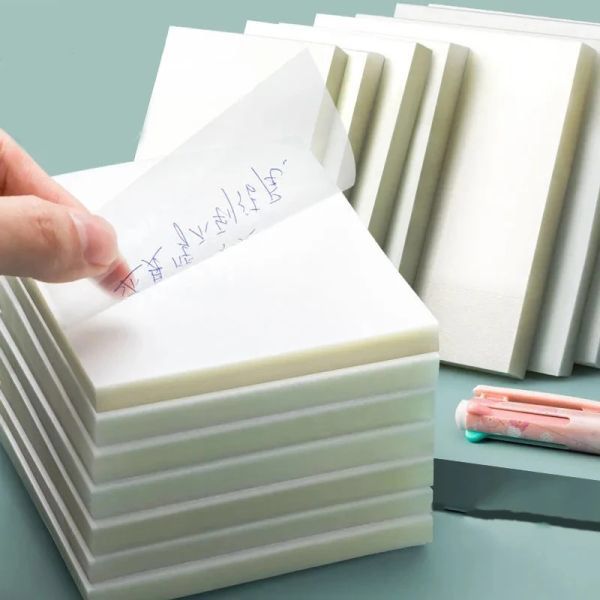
52,242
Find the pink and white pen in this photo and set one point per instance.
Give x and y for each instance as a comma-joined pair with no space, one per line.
530,417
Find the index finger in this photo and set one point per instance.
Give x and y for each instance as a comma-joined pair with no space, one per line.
20,175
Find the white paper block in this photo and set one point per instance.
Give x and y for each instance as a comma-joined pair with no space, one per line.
512,14
588,344
255,535
504,178
203,72
95,187
587,350
223,541
243,333
217,477
53,374
578,239
218,442
281,529
260,434
412,210
109,535
305,410
359,85
231,569
401,88
225,440
412,206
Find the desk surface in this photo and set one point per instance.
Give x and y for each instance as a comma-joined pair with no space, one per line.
470,558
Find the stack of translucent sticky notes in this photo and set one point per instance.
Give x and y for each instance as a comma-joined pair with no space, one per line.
505,145
264,411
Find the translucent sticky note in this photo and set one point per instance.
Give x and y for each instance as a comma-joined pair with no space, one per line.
279,149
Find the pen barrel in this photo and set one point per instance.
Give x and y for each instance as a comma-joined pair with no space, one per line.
571,429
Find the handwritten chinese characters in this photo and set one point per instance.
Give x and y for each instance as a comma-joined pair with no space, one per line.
232,219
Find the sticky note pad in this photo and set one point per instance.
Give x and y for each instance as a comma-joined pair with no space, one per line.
504,178
269,406
412,206
193,576
578,239
240,303
203,72
409,381
588,344
359,86
401,87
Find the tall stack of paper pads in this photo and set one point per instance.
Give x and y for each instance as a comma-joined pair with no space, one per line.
271,409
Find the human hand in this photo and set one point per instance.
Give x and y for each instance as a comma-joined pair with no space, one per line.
47,234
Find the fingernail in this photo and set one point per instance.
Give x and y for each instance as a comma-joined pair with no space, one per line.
98,239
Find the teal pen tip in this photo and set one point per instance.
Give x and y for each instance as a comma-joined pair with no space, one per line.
474,436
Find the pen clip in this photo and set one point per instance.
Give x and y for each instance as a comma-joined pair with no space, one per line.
554,401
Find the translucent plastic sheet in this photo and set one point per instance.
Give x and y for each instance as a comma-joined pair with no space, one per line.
278,150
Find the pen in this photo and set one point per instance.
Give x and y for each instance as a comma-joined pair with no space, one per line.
527,417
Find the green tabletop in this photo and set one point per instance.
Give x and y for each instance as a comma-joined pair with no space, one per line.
75,79
469,558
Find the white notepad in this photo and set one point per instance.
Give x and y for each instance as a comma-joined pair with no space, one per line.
266,439
587,351
403,79
203,72
500,196
588,344
308,412
192,577
210,539
578,237
512,14
176,520
359,85
217,542
215,478
412,206
176,418
326,298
